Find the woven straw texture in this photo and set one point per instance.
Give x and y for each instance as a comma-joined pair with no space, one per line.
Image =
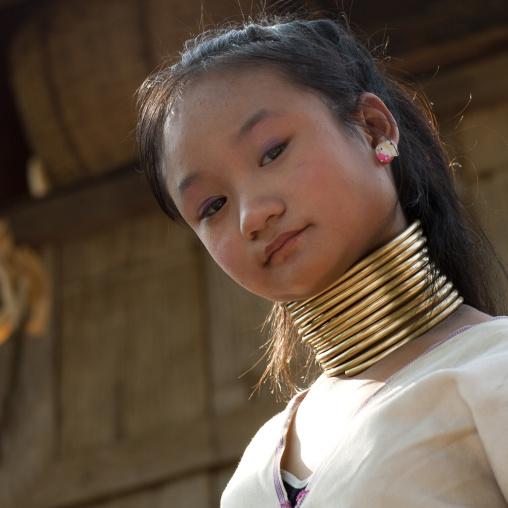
76,65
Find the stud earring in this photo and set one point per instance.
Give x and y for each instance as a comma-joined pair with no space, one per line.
386,151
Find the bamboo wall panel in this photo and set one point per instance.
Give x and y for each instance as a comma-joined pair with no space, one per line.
483,82
130,305
473,112
187,493
203,445
483,136
235,319
126,245
88,377
27,415
219,481
493,210
7,375
27,442
162,367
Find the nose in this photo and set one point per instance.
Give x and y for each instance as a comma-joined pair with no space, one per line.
257,212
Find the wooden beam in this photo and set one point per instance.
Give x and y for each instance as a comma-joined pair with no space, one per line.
82,207
482,83
454,52
186,449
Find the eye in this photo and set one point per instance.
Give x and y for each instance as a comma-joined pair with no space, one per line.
272,154
211,208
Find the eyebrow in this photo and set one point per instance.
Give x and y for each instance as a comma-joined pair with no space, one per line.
244,130
253,121
187,182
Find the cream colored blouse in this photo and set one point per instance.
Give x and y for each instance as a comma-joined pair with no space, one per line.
436,435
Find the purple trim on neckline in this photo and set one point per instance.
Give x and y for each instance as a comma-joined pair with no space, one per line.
279,487
300,497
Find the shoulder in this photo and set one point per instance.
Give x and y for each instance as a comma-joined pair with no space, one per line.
481,353
469,366
471,345
481,341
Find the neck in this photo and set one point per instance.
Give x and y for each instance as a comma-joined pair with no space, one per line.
386,300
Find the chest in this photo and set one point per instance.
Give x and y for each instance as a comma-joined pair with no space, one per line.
421,441
320,421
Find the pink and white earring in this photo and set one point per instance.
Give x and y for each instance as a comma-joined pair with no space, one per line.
386,151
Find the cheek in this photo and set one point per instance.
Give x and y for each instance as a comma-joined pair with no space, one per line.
319,182
225,252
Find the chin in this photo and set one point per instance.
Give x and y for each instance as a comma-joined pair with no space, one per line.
303,293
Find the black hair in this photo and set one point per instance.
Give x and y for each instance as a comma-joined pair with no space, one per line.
323,57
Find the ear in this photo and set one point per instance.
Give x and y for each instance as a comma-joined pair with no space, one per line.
375,120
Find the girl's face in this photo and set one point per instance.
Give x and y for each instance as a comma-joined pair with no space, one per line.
282,197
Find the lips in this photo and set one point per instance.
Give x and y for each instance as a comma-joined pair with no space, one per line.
279,242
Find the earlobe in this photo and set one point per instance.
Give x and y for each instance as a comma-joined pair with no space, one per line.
377,121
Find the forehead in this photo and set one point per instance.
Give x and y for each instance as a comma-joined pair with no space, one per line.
215,95
213,108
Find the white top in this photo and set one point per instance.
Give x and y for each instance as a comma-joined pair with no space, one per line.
436,435
292,480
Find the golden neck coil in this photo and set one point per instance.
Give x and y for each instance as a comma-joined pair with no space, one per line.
389,298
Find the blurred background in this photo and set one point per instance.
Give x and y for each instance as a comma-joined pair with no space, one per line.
122,343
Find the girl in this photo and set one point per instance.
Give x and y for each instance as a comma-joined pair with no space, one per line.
316,181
